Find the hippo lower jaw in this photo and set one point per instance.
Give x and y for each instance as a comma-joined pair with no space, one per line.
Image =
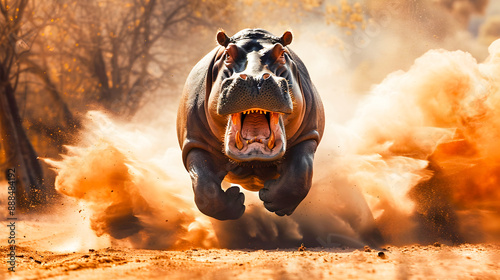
255,135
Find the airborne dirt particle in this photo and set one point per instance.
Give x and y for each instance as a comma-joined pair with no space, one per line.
437,244
302,247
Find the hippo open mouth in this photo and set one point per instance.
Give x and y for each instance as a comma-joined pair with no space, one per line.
255,135
236,104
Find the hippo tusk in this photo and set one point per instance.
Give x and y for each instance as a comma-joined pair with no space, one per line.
275,118
272,138
239,141
236,119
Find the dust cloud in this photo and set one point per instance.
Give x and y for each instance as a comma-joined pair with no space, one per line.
434,129
132,185
412,159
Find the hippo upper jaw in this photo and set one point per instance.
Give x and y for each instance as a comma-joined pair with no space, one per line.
266,91
255,135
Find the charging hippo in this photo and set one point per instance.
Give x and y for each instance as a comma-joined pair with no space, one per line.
249,115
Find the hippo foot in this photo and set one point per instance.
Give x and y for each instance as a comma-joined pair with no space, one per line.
221,205
282,196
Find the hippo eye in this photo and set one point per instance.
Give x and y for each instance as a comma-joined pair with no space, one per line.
278,53
229,59
281,58
231,53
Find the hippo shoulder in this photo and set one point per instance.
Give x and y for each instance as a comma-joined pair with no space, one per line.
191,112
196,82
313,123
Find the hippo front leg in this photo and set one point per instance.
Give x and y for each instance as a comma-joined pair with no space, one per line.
284,194
211,200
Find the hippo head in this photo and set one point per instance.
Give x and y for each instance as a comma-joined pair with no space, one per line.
255,94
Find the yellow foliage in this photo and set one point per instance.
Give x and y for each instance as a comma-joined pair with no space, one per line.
346,15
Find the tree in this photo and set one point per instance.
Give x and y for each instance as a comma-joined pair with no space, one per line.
61,58
114,52
18,151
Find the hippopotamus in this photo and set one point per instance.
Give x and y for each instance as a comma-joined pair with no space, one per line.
249,115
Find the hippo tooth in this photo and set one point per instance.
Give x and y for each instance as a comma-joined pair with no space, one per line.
236,119
270,143
239,142
275,118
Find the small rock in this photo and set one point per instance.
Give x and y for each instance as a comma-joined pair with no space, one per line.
302,247
381,255
91,250
367,249
436,244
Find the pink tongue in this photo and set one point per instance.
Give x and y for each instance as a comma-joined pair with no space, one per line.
255,125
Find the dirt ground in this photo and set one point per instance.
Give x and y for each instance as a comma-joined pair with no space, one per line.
410,262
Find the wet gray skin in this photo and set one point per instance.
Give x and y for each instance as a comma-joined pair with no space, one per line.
250,115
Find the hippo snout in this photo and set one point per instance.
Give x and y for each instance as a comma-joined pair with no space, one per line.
264,91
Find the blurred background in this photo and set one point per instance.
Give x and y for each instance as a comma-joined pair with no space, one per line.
129,59
60,59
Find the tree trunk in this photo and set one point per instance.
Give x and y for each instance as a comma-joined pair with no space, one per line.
18,150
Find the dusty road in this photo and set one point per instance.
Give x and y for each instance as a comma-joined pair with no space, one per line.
411,262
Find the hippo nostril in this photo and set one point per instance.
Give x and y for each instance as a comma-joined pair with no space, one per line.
243,76
266,76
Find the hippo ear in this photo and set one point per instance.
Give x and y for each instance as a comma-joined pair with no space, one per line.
222,38
286,38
